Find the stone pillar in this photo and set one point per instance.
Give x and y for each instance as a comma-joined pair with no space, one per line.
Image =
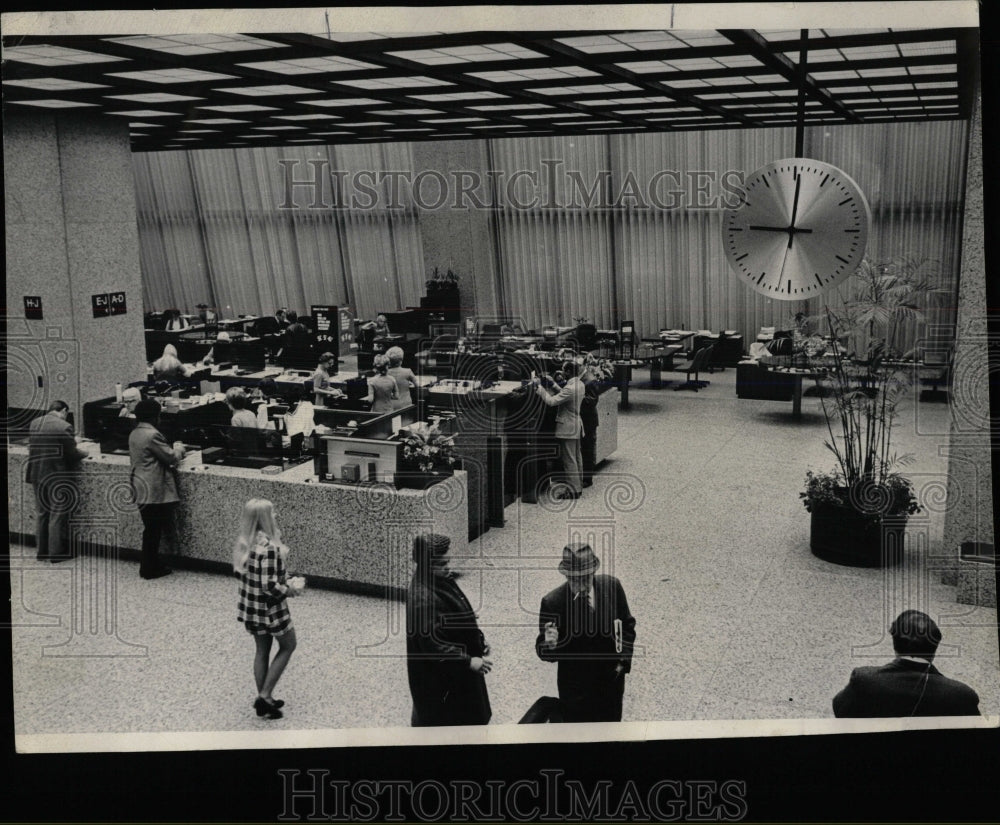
969,516
71,233
459,235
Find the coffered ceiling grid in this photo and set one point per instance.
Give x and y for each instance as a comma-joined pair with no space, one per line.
220,90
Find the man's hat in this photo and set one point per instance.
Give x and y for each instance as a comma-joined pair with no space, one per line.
578,560
428,546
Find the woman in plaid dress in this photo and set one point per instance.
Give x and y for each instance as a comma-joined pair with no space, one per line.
259,559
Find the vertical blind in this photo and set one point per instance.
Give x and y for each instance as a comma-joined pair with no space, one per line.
603,227
225,228
652,236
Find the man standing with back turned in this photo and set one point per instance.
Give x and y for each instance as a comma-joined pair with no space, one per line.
52,452
585,625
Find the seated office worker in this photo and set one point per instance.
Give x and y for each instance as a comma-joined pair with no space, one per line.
168,367
52,455
239,404
909,685
154,483
585,625
403,376
176,321
569,427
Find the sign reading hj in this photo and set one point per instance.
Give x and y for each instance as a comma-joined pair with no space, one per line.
33,307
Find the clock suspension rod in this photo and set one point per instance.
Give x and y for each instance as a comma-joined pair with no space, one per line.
800,119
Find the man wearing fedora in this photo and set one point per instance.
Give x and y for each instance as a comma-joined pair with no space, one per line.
585,625
445,651
909,685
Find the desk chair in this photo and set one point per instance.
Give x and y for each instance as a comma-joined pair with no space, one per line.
698,363
935,371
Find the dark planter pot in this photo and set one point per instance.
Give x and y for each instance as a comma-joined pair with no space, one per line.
414,479
842,535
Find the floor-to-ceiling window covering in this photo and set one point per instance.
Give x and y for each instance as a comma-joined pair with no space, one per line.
647,242
913,175
556,255
223,227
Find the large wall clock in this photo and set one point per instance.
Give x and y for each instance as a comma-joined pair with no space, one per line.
801,227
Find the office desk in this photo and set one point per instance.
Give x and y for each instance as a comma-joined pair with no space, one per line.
676,336
662,358
795,374
234,377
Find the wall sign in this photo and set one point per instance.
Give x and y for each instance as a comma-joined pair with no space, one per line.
116,301
33,307
101,305
108,303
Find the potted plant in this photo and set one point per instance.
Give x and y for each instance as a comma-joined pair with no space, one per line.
428,456
441,282
859,509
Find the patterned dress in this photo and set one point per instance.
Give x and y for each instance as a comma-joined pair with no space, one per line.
263,606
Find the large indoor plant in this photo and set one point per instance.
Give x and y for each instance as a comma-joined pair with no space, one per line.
859,509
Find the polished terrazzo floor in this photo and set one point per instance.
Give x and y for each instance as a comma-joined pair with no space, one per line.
736,618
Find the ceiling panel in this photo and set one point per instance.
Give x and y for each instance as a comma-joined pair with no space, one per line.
188,91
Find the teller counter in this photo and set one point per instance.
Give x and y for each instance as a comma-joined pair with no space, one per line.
350,537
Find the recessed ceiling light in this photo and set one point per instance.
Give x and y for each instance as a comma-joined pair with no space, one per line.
54,84
44,55
173,76
53,103
153,97
264,91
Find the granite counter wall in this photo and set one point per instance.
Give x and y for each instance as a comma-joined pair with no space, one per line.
351,537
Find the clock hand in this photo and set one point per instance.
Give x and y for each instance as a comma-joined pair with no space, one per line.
780,229
795,210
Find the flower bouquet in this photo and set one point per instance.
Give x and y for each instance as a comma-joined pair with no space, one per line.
428,448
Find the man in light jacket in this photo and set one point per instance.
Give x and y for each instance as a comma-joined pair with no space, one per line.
52,453
154,483
569,427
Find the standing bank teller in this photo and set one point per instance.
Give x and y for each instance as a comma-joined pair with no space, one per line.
382,390
403,376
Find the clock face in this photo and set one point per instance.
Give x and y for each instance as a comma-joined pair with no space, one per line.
801,228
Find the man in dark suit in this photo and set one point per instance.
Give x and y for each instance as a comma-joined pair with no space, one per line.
52,453
585,625
445,650
909,685
590,419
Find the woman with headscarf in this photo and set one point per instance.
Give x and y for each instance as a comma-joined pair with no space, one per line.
445,651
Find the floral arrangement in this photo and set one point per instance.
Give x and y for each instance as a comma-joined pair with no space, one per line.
441,281
427,447
601,368
894,496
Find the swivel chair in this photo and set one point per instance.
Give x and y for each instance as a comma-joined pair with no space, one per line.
700,361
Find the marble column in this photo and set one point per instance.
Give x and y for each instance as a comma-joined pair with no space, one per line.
71,233
458,234
969,514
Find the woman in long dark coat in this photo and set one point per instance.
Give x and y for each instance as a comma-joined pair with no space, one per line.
445,650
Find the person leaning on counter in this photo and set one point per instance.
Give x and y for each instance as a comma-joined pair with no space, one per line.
168,367
569,427
52,455
321,379
154,483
